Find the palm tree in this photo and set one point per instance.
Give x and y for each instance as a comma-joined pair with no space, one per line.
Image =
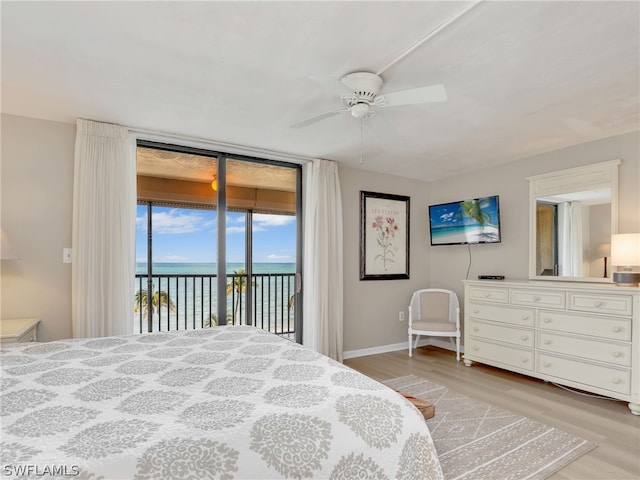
239,285
291,302
474,210
158,299
212,322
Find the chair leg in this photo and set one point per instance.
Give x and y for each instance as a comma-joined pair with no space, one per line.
457,349
410,345
416,344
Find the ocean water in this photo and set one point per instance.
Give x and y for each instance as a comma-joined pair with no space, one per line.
456,229
211,268
192,292
448,230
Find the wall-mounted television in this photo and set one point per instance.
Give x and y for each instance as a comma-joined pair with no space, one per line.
467,221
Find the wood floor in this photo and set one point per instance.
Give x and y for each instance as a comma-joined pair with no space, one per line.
608,423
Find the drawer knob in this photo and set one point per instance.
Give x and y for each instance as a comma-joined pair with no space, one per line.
598,304
475,347
547,320
487,295
476,310
617,381
546,364
476,329
616,329
546,341
525,317
536,299
616,354
524,359
524,338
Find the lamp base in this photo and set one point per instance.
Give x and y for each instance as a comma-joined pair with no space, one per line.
626,279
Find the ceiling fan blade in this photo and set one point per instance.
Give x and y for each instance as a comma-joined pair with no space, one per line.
317,118
428,94
332,84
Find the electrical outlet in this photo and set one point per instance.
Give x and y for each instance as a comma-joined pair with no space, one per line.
66,255
401,316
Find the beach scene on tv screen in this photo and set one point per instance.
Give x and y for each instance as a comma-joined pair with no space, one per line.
468,221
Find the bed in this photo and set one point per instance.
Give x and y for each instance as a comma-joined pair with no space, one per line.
232,402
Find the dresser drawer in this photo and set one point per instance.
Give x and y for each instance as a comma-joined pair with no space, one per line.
511,356
490,294
538,298
615,353
601,303
501,333
512,315
602,327
608,378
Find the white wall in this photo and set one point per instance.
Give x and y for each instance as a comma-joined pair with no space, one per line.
37,196
371,307
510,258
36,208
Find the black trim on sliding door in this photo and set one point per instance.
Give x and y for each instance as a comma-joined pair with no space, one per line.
221,284
248,255
298,318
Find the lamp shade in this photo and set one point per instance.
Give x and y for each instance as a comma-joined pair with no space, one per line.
6,250
625,249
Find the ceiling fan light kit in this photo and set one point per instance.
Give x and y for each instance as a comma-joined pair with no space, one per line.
360,110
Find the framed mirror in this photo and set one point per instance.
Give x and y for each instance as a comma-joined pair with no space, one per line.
572,215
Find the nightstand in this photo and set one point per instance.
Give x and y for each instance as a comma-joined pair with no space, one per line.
18,330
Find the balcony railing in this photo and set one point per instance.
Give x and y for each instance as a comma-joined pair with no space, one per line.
189,301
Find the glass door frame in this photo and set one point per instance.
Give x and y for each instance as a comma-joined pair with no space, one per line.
221,174
221,208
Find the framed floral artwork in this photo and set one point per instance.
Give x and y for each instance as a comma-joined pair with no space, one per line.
384,236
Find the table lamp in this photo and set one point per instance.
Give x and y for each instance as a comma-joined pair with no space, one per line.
625,252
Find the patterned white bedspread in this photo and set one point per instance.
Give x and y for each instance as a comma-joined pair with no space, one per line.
227,402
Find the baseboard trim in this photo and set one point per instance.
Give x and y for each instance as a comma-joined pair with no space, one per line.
445,344
394,347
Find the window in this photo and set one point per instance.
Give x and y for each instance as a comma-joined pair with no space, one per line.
178,241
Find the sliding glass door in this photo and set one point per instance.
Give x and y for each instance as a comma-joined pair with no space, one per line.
218,241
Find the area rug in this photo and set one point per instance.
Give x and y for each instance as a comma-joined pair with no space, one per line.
476,440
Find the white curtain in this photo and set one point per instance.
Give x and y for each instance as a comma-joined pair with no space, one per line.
570,239
104,210
322,282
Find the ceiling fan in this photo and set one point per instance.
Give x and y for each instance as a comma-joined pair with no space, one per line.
360,92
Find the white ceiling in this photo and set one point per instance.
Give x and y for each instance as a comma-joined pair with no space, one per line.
522,78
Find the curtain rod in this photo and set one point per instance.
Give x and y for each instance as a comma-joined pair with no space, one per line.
225,147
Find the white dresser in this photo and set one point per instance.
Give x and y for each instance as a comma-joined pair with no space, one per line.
583,335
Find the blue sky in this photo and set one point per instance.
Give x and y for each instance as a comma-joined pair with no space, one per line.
189,235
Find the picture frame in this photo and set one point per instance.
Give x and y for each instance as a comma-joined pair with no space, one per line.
384,236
